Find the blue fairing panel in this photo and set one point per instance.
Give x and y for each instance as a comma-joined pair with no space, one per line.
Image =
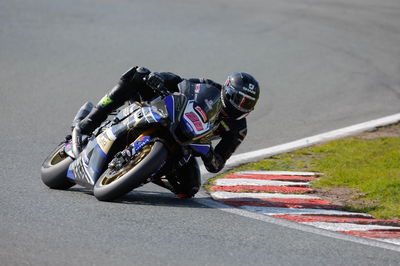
70,174
201,148
157,117
100,151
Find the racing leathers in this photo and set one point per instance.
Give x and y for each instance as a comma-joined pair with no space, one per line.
139,84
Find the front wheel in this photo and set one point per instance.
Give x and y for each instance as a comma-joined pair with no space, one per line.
115,183
54,169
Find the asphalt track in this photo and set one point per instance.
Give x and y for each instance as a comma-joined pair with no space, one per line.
322,65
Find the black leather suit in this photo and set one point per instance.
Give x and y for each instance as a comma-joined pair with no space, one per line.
132,86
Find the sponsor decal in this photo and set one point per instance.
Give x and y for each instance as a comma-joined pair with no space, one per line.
141,142
105,140
201,112
141,138
105,100
195,120
197,88
250,89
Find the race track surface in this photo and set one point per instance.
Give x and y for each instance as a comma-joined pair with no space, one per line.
322,65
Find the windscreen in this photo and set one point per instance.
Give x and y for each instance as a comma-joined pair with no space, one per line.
207,99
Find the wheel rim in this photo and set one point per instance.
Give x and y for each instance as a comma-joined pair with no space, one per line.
111,175
58,156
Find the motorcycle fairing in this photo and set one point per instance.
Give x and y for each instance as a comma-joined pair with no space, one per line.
127,111
201,148
142,118
89,165
105,140
87,168
207,98
194,121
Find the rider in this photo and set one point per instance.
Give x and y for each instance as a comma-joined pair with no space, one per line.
239,95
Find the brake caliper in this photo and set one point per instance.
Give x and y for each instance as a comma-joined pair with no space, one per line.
123,157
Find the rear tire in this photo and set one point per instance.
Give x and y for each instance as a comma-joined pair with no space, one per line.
54,169
113,184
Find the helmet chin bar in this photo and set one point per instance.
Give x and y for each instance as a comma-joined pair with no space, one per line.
225,114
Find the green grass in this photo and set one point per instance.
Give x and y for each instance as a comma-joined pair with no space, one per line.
369,166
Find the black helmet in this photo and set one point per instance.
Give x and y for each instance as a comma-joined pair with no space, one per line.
239,95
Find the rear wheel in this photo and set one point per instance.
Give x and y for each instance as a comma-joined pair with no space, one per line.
54,169
115,183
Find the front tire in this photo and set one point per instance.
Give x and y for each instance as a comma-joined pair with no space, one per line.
113,184
54,169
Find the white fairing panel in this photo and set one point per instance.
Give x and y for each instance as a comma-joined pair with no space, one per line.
194,120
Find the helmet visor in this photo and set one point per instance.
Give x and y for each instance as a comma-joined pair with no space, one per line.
240,100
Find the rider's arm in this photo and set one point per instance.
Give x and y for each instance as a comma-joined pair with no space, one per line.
171,81
232,136
157,82
206,81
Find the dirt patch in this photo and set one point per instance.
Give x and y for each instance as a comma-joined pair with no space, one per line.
388,131
343,196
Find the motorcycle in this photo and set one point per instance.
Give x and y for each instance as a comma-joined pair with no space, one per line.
161,136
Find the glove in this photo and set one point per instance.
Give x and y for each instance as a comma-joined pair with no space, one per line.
139,75
155,81
213,161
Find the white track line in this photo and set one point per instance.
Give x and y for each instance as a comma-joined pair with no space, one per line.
206,201
277,210
349,226
306,142
278,173
256,182
395,241
232,195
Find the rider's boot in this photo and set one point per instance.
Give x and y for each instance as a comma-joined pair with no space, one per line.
186,180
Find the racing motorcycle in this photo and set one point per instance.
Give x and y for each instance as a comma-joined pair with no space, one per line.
161,135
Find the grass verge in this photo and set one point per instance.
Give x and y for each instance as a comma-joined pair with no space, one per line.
360,173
